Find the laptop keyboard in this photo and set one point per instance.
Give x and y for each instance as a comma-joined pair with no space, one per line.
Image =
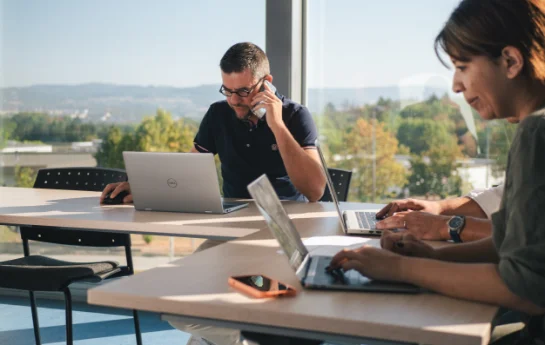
367,220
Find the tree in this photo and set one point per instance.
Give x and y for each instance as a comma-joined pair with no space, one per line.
495,142
6,130
421,134
357,155
160,133
25,176
435,172
110,153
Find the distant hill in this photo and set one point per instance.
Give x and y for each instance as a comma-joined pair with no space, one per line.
130,103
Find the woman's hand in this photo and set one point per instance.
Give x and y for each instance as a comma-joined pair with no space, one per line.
422,225
406,244
372,262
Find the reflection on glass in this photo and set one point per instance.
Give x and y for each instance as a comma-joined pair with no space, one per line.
384,106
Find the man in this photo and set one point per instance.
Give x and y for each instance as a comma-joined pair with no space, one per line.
432,223
281,146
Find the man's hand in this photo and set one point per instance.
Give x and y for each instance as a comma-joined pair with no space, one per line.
272,104
374,263
406,244
422,225
117,188
432,207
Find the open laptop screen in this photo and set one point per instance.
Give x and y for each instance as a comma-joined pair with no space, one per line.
277,220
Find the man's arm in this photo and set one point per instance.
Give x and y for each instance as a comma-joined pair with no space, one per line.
480,203
303,165
461,206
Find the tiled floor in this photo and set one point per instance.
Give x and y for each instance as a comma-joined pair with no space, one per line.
92,325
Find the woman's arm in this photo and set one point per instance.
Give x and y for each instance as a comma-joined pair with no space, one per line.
476,282
478,251
405,243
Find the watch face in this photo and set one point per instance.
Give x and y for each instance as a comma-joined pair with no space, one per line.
455,222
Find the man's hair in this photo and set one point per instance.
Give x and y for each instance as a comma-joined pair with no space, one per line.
486,27
244,56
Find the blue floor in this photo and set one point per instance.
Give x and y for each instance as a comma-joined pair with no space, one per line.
92,325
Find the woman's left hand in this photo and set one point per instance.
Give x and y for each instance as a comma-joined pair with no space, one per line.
372,262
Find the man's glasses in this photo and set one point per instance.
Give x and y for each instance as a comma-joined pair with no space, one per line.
240,92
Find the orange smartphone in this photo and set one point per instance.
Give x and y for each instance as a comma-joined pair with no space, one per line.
260,286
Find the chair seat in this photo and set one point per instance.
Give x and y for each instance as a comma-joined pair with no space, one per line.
41,273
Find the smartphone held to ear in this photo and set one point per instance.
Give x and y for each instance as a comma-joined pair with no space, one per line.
260,286
260,112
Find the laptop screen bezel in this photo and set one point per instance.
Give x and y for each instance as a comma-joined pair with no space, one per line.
332,191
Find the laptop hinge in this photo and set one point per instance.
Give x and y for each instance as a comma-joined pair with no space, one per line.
302,271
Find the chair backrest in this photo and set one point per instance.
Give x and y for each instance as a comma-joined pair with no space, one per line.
341,182
89,179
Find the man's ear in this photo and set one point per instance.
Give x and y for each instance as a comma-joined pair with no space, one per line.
269,78
513,61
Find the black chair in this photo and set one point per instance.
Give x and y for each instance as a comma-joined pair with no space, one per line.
341,183
40,273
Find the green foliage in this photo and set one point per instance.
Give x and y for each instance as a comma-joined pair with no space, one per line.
44,128
421,134
495,140
147,238
25,176
433,133
6,130
110,153
357,151
160,133
434,172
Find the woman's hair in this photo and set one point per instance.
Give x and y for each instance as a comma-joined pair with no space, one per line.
486,27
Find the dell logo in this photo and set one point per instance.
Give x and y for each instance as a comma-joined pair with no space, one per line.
172,183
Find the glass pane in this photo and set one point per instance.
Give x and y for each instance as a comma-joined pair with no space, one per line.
81,81
384,106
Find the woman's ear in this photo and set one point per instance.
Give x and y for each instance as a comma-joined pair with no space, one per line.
513,61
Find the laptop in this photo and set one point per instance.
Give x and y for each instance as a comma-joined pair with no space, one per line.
311,269
176,182
352,222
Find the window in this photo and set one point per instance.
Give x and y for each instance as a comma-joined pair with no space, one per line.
384,106
81,81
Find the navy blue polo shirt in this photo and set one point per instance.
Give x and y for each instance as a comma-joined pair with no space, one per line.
247,151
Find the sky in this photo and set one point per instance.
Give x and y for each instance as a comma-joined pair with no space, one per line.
351,43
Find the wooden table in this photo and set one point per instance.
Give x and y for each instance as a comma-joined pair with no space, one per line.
195,290
81,210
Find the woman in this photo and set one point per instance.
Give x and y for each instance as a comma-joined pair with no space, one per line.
498,50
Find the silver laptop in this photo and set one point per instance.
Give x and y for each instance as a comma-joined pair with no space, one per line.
176,182
311,269
352,222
